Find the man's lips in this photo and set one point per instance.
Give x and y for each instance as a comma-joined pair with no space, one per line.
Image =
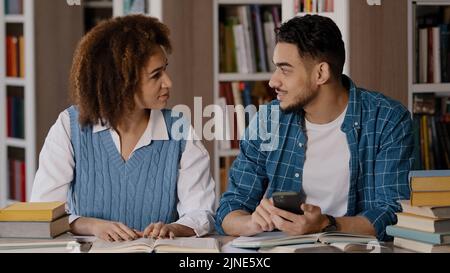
280,94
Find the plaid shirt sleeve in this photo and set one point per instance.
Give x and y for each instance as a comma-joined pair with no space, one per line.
247,179
393,162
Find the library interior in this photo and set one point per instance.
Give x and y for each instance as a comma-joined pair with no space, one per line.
222,55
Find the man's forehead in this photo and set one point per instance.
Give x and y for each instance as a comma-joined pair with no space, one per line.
287,53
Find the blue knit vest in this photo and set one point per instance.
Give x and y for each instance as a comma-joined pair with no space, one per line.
137,192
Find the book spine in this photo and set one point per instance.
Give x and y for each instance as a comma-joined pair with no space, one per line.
426,237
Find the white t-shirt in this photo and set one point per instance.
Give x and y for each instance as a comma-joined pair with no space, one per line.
326,173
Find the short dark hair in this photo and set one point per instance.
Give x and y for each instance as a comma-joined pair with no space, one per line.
317,37
107,64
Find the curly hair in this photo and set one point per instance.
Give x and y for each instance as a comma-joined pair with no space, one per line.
107,65
317,37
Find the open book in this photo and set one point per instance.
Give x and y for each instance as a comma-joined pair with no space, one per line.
177,245
272,239
355,247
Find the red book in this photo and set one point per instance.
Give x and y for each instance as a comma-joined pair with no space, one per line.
430,75
12,56
23,181
12,188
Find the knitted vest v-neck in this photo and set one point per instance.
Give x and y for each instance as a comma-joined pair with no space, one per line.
136,192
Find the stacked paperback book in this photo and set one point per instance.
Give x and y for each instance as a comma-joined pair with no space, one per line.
424,224
33,220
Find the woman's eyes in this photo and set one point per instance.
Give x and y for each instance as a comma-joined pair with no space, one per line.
157,76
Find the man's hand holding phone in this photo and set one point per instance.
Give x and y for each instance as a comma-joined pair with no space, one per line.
261,220
291,215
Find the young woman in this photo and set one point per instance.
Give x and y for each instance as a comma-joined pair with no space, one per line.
111,155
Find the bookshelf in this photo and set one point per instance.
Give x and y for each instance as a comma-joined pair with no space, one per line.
421,8
17,101
227,14
223,155
429,81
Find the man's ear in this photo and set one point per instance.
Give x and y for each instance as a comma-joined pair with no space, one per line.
323,73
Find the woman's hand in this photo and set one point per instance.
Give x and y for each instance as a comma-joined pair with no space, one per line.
105,230
161,230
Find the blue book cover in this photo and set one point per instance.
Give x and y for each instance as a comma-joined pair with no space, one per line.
422,236
431,173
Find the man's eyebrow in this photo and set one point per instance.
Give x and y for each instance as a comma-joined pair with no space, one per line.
283,64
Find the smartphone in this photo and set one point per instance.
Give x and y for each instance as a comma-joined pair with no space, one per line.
289,201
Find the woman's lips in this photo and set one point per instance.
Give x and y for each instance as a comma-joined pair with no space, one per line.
164,97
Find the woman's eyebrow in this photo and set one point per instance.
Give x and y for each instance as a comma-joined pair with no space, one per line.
158,69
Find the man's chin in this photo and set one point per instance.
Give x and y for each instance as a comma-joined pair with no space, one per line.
290,108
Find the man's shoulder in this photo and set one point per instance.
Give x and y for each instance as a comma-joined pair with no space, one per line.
377,103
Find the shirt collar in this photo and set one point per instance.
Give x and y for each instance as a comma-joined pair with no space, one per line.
156,128
353,116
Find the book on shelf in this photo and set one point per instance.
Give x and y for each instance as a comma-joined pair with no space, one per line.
13,7
421,223
34,229
273,239
15,56
426,211
420,246
244,97
177,245
134,6
431,132
17,179
417,235
33,212
309,6
431,45
247,38
15,116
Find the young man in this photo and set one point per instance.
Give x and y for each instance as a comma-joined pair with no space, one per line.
348,149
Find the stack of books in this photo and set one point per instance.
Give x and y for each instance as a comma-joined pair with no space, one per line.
34,220
424,224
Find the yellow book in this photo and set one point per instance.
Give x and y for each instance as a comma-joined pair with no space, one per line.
22,57
438,183
33,212
436,198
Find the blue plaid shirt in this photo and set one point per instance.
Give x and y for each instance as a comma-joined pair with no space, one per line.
380,139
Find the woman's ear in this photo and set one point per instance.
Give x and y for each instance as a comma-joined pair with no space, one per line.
323,73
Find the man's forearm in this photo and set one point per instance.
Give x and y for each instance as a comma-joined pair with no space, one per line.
355,225
237,223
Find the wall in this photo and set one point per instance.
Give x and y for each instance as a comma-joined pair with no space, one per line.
379,49
191,64
58,29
